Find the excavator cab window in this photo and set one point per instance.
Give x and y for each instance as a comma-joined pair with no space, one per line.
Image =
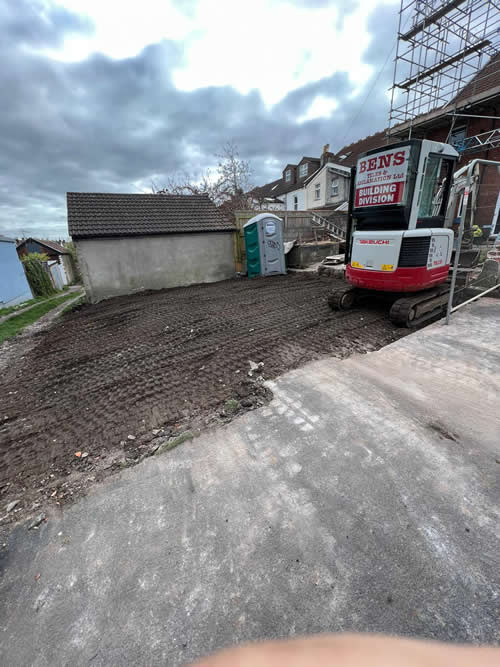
434,191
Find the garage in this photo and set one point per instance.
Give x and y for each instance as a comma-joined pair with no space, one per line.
128,243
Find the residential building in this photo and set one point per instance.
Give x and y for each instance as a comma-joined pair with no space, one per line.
348,155
310,184
471,123
266,197
60,262
126,243
14,287
328,187
288,192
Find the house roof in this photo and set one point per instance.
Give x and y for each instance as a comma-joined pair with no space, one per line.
479,91
309,159
487,79
269,189
280,186
352,151
92,214
51,245
275,188
342,170
484,85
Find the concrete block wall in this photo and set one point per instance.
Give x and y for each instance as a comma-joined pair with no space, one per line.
124,265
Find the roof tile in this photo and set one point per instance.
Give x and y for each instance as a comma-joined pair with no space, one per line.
352,151
92,214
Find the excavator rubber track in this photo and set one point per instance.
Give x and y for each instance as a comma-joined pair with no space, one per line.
342,297
411,311
407,311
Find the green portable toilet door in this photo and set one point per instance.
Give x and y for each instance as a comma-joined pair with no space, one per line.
252,249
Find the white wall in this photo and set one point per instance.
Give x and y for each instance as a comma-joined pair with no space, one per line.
263,205
113,266
324,178
301,200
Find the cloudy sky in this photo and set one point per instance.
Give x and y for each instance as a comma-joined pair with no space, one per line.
106,95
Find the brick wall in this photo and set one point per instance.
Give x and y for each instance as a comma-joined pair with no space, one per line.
490,178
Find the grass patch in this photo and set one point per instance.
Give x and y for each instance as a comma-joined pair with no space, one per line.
73,306
16,324
39,299
175,442
231,406
11,309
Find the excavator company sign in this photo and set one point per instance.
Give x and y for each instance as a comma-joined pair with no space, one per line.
381,178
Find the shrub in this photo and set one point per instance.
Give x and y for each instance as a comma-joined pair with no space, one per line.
74,258
38,277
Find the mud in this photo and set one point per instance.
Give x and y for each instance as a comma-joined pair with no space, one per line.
152,366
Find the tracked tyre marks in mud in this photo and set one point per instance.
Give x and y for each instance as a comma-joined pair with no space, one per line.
162,360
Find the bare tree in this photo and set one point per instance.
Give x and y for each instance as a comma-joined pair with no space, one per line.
227,186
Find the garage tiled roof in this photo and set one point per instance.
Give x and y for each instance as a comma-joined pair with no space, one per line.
93,214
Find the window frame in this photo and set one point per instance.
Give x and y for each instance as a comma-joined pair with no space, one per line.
288,175
317,191
303,169
335,182
427,196
458,136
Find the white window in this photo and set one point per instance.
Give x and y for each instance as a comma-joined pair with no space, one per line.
335,187
295,203
317,191
288,175
303,170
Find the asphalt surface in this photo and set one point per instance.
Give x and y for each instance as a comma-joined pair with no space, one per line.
364,497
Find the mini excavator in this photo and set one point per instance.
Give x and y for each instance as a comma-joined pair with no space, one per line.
404,203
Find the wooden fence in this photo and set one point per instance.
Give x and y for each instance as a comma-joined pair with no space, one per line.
298,226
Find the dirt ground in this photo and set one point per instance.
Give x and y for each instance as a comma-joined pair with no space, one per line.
116,380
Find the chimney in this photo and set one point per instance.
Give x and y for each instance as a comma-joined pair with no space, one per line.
324,159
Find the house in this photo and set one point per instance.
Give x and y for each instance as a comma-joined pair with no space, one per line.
288,192
312,183
348,155
14,286
60,262
126,243
265,197
328,188
471,123
295,177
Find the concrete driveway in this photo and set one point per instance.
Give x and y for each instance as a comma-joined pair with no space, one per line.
364,497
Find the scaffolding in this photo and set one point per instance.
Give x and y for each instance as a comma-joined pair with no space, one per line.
442,47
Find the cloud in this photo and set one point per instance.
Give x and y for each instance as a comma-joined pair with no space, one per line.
104,124
34,23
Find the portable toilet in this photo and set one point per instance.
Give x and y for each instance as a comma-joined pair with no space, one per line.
264,246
